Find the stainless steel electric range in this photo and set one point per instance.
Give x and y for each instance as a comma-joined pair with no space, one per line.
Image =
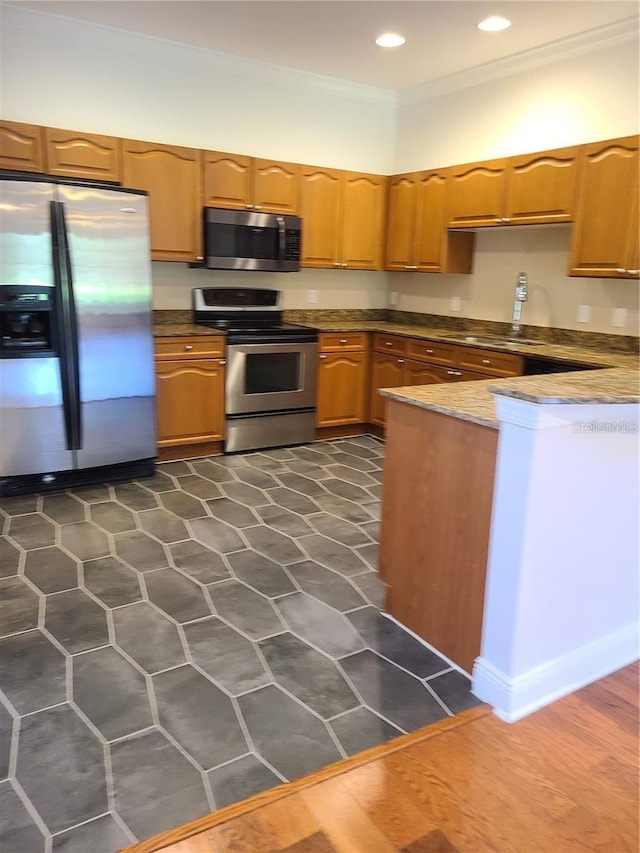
270,389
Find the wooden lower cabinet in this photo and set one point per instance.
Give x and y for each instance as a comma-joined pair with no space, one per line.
387,371
189,393
341,398
436,517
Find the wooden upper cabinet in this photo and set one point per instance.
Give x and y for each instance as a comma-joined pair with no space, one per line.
246,183
476,194
342,218
21,147
417,237
276,186
363,216
605,236
226,180
403,195
82,155
320,208
541,187
171,176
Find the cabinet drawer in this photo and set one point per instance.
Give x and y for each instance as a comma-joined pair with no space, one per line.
431,351
489,362
211,346
393,344
335,341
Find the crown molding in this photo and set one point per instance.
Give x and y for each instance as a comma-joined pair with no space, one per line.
612,34
142,45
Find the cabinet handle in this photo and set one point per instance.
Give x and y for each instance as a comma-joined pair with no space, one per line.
222,362
249,206
188,347
323,356
486,361
344,266
506,219
343,340
632,272
257,207
336,264
454,373
621,270
429,351
388,343
199,258
401,361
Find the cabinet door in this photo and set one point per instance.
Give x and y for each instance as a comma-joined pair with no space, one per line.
21,147
341,391
387,371
83,155
418,373
605,234
403,194
477,194
431,221
171,176
276,187
321,197
363,214
541,187
226,180
189,401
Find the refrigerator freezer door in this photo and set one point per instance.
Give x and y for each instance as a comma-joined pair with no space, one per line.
108,237
32,425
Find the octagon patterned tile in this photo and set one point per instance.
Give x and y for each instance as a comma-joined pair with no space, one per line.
333,555
61,767
76,621
179,597
232,512
292,500
163,525
101,835
51,569
186,506
135,497
199,487
346,490
203,564
256,477
284,521
245,609
32,531
148,637
111,692
274,545
112,516
140,551
343,531
6,734
85,540
63,508
240,779
225,655
213,471
32,672
355,462
18,606
110,580
9,558
199,716
245,494
217,535
18,832
299,483
319,624
19,505
350,475
159,482
261,573
361,729
342,508
326,585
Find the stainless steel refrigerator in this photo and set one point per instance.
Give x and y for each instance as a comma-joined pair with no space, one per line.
77,386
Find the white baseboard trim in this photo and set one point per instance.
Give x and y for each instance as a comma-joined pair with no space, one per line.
514,697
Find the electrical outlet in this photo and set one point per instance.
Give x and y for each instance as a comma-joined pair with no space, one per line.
583,314
313,296
455,303
393,298
619,317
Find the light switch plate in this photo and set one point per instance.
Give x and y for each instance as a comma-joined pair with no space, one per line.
583,314
619,317
313,296
455,303
393,298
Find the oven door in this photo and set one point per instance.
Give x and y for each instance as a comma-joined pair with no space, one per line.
270,377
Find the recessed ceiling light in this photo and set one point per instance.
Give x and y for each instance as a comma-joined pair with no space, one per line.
494,24
390,40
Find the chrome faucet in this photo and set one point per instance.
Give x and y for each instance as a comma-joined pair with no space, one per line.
520,296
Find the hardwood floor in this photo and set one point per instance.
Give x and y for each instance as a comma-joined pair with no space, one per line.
562,780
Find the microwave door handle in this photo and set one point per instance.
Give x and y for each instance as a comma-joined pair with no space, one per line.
281,238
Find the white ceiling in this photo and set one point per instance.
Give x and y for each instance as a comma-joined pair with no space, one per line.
335,38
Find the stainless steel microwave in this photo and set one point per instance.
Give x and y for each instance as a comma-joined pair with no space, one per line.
250,240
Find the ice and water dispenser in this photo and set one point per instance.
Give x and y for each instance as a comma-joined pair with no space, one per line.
26,321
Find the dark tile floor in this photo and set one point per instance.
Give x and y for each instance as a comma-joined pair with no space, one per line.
171,646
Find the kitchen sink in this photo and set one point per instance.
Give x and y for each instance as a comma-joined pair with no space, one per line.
494,342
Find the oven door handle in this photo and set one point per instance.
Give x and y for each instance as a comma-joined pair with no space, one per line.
281,238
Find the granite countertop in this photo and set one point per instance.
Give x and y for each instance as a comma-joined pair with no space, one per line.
474,401
182,330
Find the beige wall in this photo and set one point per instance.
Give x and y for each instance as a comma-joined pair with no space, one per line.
542,252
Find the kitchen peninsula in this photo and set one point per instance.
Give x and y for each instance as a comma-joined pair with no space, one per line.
528,487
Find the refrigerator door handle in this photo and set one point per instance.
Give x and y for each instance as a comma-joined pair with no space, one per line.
67,327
